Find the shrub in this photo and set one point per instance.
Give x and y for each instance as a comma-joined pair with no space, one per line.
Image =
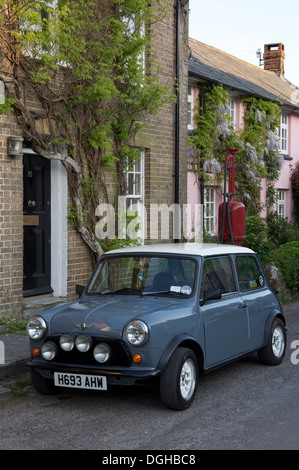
280,230
257,236
286,259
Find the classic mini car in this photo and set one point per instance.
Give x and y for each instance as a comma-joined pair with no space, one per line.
163,312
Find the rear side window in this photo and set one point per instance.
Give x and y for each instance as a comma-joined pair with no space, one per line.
249,274
217,274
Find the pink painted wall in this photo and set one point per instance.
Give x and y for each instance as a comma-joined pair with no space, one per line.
193,196
284,181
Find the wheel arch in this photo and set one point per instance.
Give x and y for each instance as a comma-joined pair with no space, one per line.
182,341
274,314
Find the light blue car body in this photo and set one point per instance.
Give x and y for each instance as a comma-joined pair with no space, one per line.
217,330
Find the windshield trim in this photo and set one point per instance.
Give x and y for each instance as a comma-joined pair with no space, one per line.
142,293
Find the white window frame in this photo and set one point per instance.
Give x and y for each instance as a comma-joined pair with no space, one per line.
232,109
135,197
283,134
281,202
131,26
210,210
51,4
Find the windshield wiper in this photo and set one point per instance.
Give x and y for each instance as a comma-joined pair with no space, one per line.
160,292
125,290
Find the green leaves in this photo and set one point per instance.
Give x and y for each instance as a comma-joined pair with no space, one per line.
89,64
258,155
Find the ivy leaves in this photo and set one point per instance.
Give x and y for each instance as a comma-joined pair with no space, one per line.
84,63
258,155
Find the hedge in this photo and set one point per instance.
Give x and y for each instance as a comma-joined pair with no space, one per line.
286,258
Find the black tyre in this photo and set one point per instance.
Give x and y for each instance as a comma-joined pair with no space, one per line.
274,351
42,385
179,380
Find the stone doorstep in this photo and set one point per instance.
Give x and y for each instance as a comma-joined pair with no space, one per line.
33,305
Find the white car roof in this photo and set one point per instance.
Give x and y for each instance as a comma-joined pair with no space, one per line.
199,249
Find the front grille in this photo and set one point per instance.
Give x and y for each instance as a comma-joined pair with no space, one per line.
120,355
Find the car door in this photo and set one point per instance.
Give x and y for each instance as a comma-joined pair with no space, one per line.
225,320
256,297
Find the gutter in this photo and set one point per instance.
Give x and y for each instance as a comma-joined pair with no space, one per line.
177,120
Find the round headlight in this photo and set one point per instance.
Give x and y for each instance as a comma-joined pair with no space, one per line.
102,352
66,342
48,351
137,332
82,343
36,328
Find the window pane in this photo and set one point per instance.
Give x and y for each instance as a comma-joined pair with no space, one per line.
137,166
217,274
281,202
130,183
249,273
146,274
209,210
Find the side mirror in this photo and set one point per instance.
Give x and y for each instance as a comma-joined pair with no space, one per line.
211,294
79,290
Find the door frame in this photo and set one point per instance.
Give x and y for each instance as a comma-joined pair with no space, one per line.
58,224
36,225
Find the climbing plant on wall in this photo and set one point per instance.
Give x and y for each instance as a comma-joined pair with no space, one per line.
214,132
258,156
84,63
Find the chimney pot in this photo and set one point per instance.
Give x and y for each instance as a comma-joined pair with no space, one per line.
274,56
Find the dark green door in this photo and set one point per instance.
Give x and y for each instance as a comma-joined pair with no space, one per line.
37,225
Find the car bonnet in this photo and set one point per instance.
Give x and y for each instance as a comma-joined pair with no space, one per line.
105,316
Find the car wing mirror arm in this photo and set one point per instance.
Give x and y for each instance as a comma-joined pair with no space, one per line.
211,294
79,290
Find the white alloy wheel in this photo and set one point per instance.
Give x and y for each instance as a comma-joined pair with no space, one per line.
179,379
188,379
278,341
274,351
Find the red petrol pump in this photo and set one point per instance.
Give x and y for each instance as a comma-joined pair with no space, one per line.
231,220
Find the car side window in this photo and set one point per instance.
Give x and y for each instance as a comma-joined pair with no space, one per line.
249,274
217,274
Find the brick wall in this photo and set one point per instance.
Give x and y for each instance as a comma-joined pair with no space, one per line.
11,222
159,142
159,137
274,56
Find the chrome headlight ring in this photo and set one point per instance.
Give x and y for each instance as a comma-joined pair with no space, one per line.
83,343
67,342
36,328
102,353
49,350
137,332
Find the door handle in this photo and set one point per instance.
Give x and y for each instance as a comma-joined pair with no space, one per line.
242,306
31,203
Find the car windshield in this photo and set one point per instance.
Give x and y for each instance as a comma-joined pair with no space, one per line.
144,275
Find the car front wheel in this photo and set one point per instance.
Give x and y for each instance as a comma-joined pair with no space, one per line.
274,351
179,379
42,385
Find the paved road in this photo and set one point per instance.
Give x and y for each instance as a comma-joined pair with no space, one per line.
242,406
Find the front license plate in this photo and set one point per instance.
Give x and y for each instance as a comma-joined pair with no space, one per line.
93,382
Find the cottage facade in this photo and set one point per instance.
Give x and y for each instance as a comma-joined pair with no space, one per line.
210,65
34,197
